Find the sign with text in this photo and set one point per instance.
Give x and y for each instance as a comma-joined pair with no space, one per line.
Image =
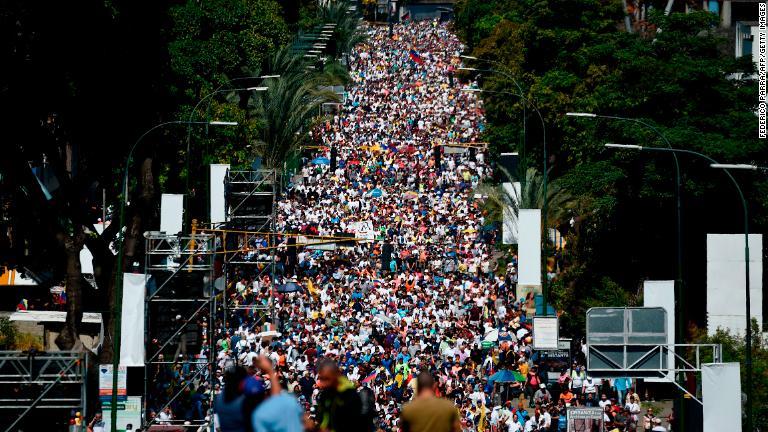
585,419
128,413
545,332
105,383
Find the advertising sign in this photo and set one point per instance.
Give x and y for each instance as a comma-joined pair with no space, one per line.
128,413
105,383
545,332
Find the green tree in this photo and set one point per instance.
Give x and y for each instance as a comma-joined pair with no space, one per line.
213,40
575,56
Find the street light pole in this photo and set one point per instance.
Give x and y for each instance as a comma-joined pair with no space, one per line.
117,306
678,204
747,298
680,297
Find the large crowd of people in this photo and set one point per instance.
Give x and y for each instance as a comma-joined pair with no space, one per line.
419,288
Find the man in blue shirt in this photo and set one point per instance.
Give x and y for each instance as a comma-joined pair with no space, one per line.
279,413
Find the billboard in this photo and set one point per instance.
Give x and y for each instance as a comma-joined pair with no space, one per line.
726,296
529,248
218,201
545,332
662,294
510,228
171,213
105,383
721,393
626,341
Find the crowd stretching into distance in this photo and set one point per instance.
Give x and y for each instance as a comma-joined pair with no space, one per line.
423,295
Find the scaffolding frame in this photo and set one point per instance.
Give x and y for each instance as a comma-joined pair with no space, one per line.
46,370
253,229
170,255
650,360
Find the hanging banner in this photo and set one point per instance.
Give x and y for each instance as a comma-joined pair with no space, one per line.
105,383
218,199
132,326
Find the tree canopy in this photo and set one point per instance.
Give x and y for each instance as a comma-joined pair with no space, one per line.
679,78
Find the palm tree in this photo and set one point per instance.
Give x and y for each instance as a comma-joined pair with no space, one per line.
291,103
530,196
347,32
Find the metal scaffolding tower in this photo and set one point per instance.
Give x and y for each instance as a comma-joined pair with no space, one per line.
179,312
251,201
53,381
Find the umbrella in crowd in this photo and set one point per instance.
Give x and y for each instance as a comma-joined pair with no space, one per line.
321,161
289,287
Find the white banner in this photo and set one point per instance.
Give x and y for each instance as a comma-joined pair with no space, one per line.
132,326
218,200
662,294
510,229
726,282
721,393
363,229
529,264
171,213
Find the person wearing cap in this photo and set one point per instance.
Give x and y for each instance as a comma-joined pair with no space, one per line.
542,395
657,427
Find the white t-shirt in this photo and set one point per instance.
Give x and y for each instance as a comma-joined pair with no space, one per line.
634,409
589,386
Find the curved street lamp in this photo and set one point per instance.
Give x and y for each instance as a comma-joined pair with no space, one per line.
747,300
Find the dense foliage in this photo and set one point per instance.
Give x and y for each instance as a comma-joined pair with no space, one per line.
82,82
575,56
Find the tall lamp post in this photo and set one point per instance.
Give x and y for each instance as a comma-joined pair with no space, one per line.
679,286
678,204
748,312
544,281
117,307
